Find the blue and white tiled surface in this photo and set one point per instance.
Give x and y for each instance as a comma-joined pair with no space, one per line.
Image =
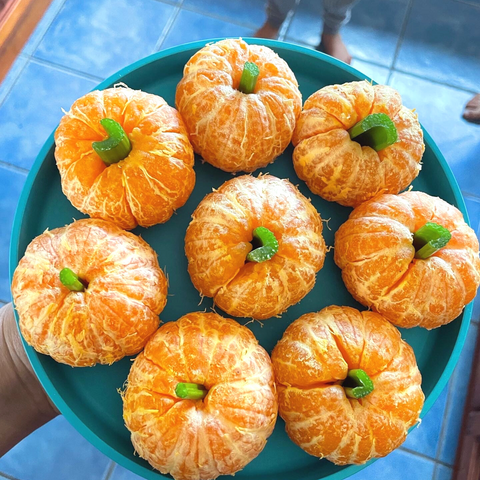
427,49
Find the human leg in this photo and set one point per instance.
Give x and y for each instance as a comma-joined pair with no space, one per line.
277,11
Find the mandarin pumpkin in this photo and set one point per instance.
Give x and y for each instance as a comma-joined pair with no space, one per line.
339,168
225,246
381,266
88,293
201,399
142,168
240,103
348,386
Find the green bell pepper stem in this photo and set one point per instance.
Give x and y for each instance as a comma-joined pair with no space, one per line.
71,280
191,391
249,78
268,245
357,384
114,148
429,239
376,131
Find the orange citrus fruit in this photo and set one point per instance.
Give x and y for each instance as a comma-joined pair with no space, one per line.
147,186
338,168
374,248
115,314
219,238
311,363
230,129
202,438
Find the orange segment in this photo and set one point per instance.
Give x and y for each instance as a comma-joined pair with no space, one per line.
117,312
338,168
201,439
375,252
218,240
311,361
160,162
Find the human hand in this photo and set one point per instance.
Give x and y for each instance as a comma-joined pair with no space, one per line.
24,405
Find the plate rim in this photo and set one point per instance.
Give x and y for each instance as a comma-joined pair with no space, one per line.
34,357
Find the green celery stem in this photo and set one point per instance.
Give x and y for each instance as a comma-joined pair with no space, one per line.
357,384
70,280
249,78
376,131
190,391
268,245
114,148
429,239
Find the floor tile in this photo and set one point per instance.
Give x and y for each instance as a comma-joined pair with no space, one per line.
424,438
248,12
191,26
375,72
30,114
443,473
473,209
120,473
55,452
368,37
12,75
12,184
456,401
399,465
442,42
440,110
42,26
88,35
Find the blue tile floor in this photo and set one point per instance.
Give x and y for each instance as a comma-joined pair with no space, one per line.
427,49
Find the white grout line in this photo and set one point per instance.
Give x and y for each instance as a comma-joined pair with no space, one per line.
13,168
168,26
110,469
400,38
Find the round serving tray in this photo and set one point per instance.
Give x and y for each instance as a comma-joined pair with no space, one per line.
89,398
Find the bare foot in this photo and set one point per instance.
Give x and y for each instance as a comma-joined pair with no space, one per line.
266,31
472,110
333,45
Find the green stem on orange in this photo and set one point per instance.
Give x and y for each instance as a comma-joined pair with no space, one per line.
249,77
191,391
357,384
71,280
117,146
268,245
376,131
429,239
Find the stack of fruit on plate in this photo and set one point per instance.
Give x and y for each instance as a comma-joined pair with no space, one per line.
203,396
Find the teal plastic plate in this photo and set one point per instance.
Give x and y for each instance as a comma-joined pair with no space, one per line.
88,396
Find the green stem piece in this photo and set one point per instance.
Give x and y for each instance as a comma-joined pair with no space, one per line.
191,391
357,384
114,148
71,280
376,131
249,78
268,245
429,239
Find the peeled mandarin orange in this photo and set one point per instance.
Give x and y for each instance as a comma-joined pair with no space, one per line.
219,238
375,251
311,363
232,130
147,186
201,438
115,314
338,168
